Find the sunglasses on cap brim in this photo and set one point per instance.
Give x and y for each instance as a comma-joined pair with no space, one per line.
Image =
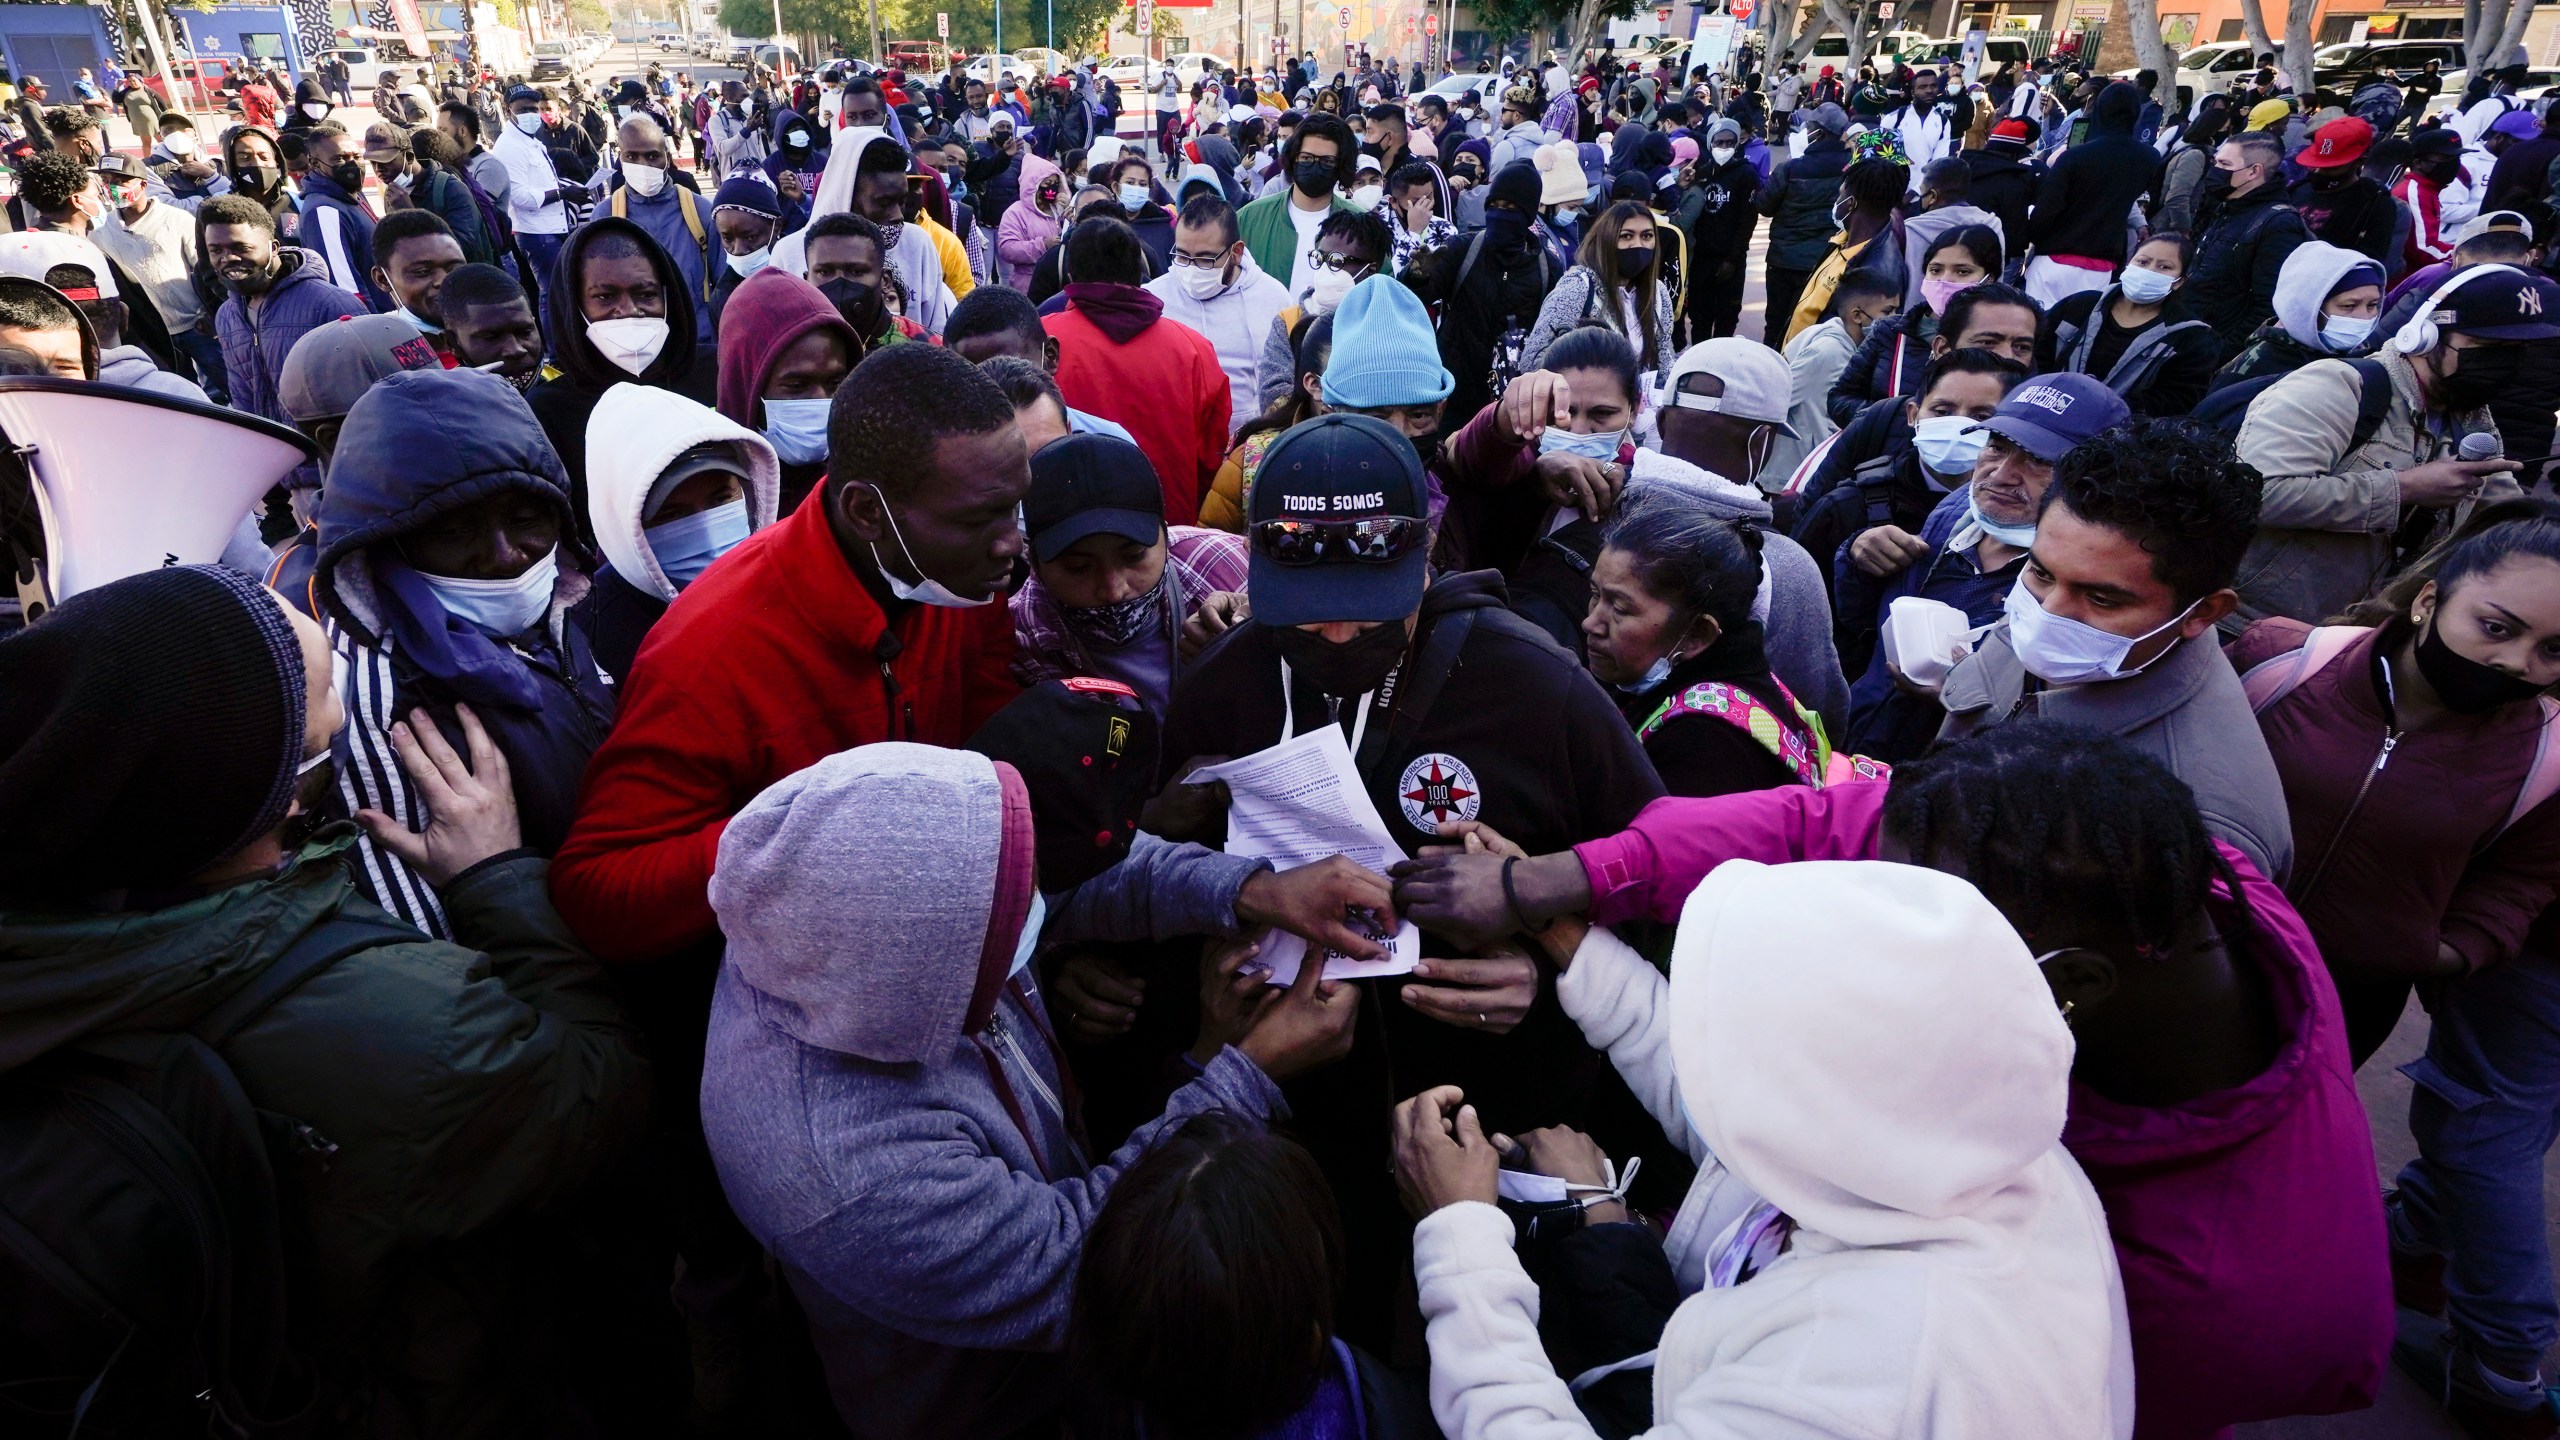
1320,542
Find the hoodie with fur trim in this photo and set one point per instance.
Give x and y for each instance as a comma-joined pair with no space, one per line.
886,1102
634,434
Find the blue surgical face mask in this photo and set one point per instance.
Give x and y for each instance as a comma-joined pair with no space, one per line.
1602,446
1133,198
751,262
686,547
425,325
2016,536
1024,948
2341,333
798,430
501,607
2145,287
1652,678
1948,444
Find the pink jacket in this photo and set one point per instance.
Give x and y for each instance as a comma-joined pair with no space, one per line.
1024,235
2247,1223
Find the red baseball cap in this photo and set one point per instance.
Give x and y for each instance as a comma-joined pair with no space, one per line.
2340,142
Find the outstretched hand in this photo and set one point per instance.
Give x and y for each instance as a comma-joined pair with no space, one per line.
1442,1154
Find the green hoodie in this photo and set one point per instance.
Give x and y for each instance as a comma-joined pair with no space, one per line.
432,1090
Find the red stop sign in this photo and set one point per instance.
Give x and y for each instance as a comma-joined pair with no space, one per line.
1742,9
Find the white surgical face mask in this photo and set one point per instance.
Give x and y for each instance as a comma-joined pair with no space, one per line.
630,343
1652,678
927,591
1327,289
1368,196
644,180
2062,651
1601,446
1722,154
2341,333
798,429
2146,287
316,110
530,122
751,262
425,325
796,139
179,142
1201,281
501,607
1029,944
1949,444
2017,536
1133,198
686,547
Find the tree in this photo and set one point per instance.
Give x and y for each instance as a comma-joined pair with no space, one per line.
2493,32
2151,52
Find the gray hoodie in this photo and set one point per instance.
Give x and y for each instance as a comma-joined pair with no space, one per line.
882,1098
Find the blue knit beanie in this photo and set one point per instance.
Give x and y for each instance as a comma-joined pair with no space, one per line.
1384,352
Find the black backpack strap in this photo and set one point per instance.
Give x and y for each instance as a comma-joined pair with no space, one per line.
2373,402
1415,697
320,947
1467,266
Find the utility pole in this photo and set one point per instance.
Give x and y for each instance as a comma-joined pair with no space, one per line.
875,32
159,58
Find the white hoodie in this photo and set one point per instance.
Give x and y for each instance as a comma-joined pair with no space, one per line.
633,434
1870,1048
915,258
2303,285
1236,321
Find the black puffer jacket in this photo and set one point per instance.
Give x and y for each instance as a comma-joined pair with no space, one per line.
1798,200
2083,203
2232,284
2004,183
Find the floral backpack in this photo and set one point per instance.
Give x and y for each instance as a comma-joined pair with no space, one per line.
1812,759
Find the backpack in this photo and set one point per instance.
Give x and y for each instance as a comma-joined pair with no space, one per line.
620,208
1505,363
141,1257
1803,748
2225,407
2272,679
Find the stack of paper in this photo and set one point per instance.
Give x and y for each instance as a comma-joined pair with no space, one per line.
1299,802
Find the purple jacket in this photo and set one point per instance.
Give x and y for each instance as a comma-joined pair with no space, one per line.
2246,1222
257,335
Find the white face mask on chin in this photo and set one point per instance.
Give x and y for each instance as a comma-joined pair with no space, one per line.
926,591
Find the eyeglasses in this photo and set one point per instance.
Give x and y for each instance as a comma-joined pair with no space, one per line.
1200,262
1315,542
1345,263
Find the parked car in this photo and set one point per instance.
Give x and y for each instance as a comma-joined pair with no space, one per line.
199,82
1891,48
2399,59
767,53
552,60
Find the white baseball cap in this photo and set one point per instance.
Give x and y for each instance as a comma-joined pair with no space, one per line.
1756,383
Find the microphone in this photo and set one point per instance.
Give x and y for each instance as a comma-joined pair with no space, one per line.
2478,445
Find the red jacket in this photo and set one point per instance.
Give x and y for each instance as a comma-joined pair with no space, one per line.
2246,1222
760,668
1164,386
2387,862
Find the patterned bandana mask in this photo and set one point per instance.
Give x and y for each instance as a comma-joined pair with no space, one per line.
1114,625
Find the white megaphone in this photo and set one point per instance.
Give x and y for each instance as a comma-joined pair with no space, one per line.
127,481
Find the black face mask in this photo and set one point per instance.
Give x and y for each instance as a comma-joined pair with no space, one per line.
310,793
2479,375
1507,229
2217,184
350,176
1354,667
1634,260
256,179
858,303
1313,176
2466,686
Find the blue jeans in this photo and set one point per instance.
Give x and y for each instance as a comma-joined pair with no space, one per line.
205,352
2486,1109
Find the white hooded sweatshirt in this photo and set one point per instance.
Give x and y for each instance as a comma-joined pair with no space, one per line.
915,259
1236,321
633,434
2303,285
1870,1048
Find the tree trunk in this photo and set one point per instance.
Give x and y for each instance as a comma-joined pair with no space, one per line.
2298,32
2253,20
1586,30
1861,31
2150,52
2511,35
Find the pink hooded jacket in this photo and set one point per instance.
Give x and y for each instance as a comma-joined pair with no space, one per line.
2246,1222
1025,234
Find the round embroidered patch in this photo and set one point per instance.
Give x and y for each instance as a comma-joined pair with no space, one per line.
1436,789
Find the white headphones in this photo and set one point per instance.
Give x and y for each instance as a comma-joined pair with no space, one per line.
2420,335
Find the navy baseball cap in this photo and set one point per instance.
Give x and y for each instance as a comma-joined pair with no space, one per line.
1090,485
2049,414
1339,524
2505,303
523,92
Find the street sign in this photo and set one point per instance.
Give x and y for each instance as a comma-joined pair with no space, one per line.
1742,11
1146,17
1431,23
1408,27
1884,10
942,23
1342,17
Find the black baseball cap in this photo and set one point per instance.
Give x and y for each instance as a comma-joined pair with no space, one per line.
1091,485
2503,303
1337,467
1087,750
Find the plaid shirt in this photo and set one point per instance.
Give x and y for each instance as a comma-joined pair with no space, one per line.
1203,561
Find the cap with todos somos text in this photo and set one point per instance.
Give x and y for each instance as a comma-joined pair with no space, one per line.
2049,414
1757,385
2504,303
1085,485
1337,468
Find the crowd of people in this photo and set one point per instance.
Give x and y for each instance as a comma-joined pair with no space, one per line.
664,882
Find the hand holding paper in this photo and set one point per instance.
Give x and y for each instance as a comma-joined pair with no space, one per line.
1301,803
